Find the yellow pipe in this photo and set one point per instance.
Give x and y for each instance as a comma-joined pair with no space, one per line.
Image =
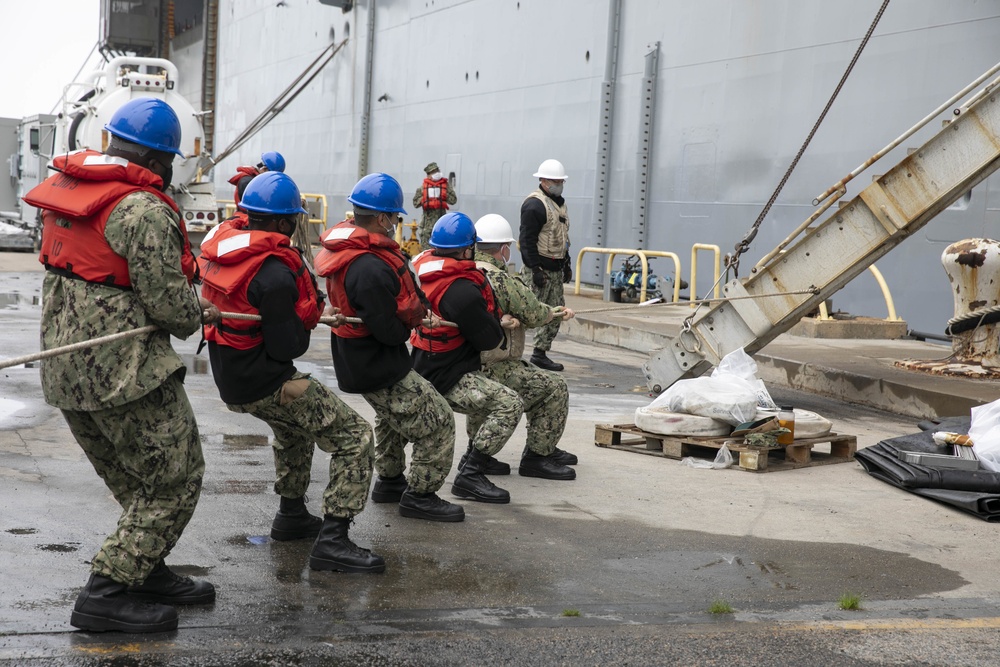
643,258
890,306
694,268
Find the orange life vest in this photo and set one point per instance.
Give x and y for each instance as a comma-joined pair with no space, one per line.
343,244
85,192
229,261
435,194
436,276
241,173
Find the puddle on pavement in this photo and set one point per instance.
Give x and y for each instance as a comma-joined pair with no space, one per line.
197,364
22,531
241,442
60,548
244,540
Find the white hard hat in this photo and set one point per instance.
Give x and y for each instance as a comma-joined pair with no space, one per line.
494,228
552,170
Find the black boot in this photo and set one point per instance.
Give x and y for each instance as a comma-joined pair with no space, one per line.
388,489
471,482
166,586
564,457
429,506
293,521
536,465
540,359
493,467
104,604
560,456
333,550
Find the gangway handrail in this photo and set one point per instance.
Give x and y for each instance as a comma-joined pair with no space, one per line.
643,258
890,306
903,137
694,269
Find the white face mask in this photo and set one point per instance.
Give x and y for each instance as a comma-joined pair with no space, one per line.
506,260
436,176
390,229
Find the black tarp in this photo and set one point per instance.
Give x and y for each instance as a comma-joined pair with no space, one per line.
976,492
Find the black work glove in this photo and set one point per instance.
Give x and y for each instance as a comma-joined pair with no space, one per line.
567,272
538,277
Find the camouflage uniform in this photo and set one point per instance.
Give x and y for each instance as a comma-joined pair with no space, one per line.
317,416
493,408
411,410
544,394
124,401
550,293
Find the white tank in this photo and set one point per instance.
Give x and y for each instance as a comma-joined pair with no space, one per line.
88,106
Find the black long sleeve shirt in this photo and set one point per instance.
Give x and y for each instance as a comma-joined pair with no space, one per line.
245,376
464,305
381,359
532,220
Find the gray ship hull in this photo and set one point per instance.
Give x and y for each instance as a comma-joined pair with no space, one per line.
722,93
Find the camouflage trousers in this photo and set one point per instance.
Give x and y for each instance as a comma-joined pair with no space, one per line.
495,409
303,413
431,216
413,411
552,294
149,455
545,398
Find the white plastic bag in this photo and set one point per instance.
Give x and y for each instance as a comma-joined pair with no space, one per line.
985,434
723,459
727,398
742,365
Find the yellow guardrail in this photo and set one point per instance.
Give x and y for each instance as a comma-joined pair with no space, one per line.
694,269
890,306
642,255
228,207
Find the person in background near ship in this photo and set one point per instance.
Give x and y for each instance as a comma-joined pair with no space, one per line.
544,394
544,245
368,277
434,195
269,161
255,271
448,357
117,258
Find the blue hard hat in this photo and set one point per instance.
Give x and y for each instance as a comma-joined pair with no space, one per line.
148,122
273,160
272,193
453,230
378,192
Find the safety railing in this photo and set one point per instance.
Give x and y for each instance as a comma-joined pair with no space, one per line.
890,306
642,255
315,204
694,269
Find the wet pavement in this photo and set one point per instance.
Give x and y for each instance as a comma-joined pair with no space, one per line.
619,566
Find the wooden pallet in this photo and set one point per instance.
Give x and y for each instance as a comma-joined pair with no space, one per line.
800,454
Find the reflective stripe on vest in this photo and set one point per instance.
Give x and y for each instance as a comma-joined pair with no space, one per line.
436,275
343,244
230,260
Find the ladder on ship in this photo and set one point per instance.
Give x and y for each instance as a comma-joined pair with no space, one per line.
827,255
